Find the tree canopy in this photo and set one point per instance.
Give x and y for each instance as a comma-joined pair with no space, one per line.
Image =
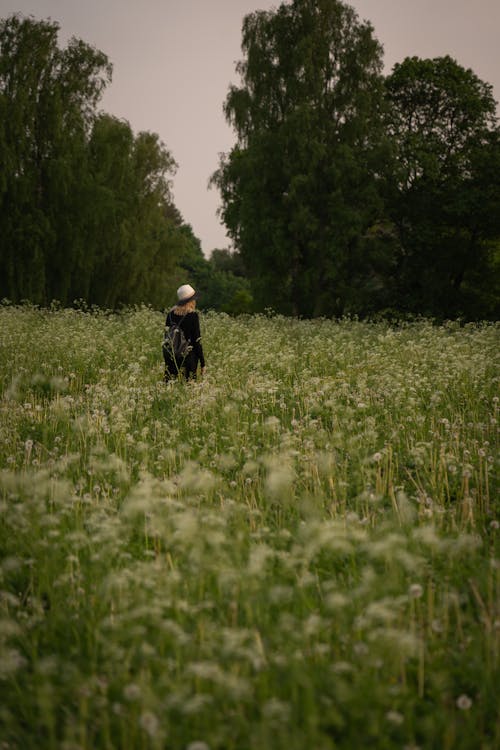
446,198
47,97
299,188
86,208
348,193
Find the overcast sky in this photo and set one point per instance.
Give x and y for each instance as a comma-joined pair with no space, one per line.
173,61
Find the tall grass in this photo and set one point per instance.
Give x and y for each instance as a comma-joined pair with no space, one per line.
299,551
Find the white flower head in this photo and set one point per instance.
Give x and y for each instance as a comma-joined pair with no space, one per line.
149,722
132,691
415,591
394,717
464,702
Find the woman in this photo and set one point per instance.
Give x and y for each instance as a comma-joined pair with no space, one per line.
184,316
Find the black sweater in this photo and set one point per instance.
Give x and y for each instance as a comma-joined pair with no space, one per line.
190,324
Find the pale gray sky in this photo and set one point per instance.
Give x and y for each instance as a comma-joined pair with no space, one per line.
174,59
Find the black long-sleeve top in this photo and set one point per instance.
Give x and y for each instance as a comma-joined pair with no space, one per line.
190,324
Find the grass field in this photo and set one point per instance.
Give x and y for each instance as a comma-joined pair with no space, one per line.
299,552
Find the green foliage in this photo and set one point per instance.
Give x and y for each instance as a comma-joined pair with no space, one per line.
47,99
446,200
222,283
135,241
335,212
343,194
230,262
299,551
85,205
299,189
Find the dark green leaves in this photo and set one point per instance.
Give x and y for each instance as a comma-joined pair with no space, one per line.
445,203
297,187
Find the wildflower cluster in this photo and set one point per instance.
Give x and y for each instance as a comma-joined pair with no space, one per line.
300,550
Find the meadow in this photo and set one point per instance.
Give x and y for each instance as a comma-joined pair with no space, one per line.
299,552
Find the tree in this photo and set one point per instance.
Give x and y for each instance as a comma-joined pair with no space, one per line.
85,205
47,100
131,236
446,194
229,261
301,186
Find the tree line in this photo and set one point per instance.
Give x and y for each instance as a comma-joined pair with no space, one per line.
86,209
346,192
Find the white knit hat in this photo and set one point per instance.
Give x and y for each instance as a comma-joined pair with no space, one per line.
185,294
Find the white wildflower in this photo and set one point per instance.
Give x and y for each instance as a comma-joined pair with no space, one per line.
149,722
342,667
272,424
360,649
132,691
10,662
276,710
464,702
415,591
335,600
394,717
279,479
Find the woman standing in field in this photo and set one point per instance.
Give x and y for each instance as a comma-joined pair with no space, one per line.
182,349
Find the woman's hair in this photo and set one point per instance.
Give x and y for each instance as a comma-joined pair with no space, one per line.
184,309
